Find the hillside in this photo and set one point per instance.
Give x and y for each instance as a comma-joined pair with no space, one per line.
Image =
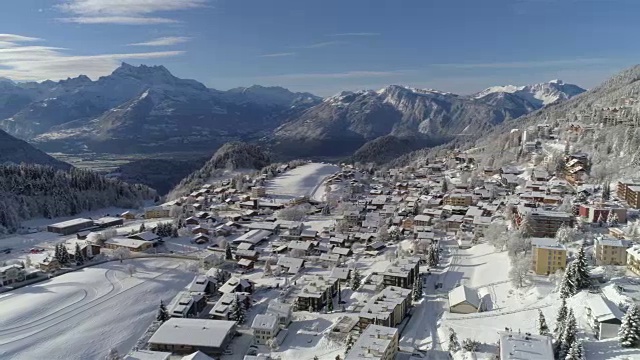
611,111
16,151
28,191
231,157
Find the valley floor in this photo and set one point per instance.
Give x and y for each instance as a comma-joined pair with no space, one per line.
81,315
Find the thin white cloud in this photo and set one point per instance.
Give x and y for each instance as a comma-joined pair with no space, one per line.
357,34
522,64
164,41
16,38
36,63
119,20
282,54
337,75
129,12
322,44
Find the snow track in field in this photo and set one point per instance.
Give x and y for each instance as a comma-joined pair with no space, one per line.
81,315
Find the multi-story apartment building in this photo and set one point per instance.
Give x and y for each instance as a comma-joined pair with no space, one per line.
402,273
628,191
633,196
633,259
596,212
544,223
517,345
389,307
352,218
258,191
457,199
316,292
548,256
375,343
610,251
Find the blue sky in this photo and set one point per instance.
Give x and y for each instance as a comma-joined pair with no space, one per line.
325,46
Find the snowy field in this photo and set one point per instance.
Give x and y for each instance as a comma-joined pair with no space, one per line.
304,180
81,315
487,271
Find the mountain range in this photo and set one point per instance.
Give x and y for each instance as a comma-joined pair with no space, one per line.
145,109
140,109
343,123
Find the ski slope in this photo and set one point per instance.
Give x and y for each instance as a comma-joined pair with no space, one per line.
304,180
81,315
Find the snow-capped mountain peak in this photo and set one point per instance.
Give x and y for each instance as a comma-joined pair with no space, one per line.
538,94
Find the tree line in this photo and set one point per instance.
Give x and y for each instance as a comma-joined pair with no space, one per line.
28,191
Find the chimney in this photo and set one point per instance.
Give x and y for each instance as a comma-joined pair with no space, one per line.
255,204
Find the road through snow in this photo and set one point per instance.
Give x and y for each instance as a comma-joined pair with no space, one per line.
81,315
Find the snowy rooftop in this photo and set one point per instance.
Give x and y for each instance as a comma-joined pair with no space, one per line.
126,242
463,294
610,241
373,343
265,322
278,308
253,236
198,355
72,222
547,243
193,332
148,355
603,310
634,251
517,346
402,266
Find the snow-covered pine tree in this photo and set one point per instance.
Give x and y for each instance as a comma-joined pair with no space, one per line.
560,318
57,254
582,279
434,256
454,345
614,219
606,191
543,328
228,255
78,255
568,284
526,226
356,279
163,314
630,329
417,294
267,268
237,312
576,352
569,334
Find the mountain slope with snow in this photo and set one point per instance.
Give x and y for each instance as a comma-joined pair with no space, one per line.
345,122
538,94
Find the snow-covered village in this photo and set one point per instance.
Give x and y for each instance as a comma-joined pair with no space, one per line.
319,180
455,257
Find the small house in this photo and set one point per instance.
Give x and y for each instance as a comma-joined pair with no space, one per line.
464,300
